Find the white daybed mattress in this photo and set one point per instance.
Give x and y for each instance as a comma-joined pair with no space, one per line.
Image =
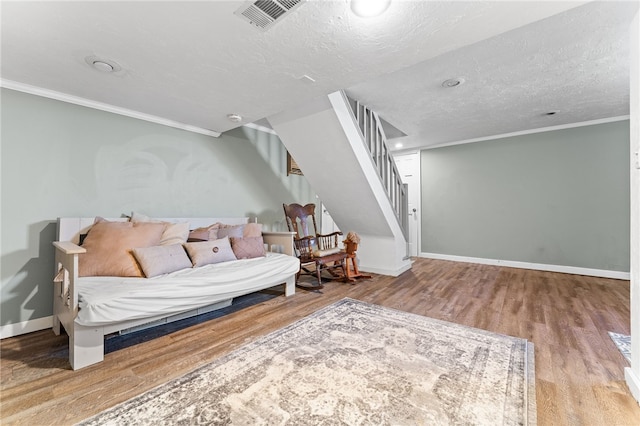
107,300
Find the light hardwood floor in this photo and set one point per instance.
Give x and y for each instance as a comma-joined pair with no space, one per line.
579,371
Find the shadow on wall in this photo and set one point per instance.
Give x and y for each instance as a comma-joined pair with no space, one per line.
243,173
279,187
272,220
32,281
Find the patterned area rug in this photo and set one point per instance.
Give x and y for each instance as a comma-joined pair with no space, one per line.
352,363
623,342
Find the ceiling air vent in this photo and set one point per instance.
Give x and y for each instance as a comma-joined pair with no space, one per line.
263,14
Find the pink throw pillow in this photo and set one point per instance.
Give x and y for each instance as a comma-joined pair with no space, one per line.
248,248
109,246
205,233
234,231
252,230
207,252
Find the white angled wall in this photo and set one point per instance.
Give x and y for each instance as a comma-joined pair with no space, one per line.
633,374
323,139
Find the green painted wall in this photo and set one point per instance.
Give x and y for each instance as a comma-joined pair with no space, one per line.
559,197
60,159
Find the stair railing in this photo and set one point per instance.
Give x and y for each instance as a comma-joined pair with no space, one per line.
375,141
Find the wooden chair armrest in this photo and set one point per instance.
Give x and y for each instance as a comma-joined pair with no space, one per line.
305,241
335,233
328,241
304,247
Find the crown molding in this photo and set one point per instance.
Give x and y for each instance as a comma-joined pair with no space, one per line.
532,131
261,128
52,94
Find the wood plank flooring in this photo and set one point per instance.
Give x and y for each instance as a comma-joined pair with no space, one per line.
579,371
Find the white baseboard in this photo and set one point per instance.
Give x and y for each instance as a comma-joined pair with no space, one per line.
633,383
25,327
390,272
602,273
37,324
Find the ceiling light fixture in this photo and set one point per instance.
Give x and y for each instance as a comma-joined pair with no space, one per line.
236,118
453,82
102,65
551,113
369,8
398,145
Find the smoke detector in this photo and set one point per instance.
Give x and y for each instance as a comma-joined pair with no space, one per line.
263,14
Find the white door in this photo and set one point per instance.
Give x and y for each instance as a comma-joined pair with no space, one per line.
409,167
327,226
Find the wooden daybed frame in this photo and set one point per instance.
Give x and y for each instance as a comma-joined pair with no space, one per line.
86,343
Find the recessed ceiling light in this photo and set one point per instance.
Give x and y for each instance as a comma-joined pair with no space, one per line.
453,82
102,65
551,113
369,8
398,145
236,118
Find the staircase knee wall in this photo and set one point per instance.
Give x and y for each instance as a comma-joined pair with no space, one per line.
385,256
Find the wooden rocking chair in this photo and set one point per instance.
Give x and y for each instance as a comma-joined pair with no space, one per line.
313,248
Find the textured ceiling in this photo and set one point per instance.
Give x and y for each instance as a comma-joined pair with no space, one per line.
195,62
575,64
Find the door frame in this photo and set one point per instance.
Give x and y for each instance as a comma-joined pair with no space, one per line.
415,193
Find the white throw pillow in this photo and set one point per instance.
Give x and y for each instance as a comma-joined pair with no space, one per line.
160,260
174,233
